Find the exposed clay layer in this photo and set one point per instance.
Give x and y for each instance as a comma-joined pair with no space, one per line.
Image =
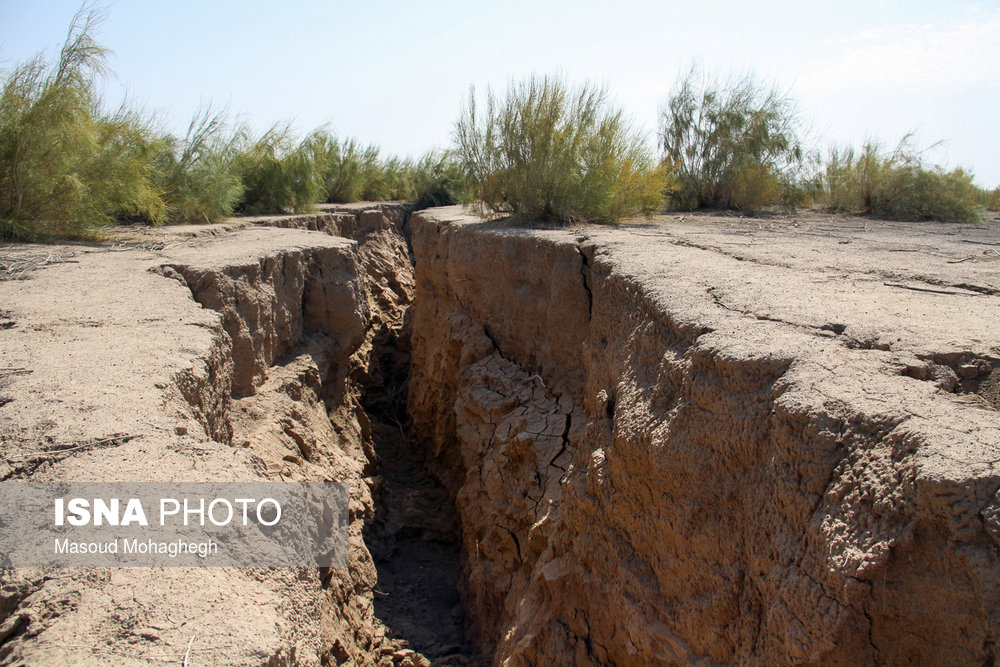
696,444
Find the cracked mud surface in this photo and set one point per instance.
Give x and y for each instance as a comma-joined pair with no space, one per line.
925,292
869,280
776,440
201,353
689,440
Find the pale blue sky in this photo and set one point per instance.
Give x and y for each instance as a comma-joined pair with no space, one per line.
396,73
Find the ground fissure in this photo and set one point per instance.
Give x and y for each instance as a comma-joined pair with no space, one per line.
562,445
412,531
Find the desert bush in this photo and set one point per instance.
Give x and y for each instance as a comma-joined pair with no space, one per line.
897,185
546,151
350,172
65,165
396,180
437,179
387,179
195,173
990,199
278,174
730,144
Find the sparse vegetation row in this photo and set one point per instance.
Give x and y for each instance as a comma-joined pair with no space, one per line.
543,150
67,165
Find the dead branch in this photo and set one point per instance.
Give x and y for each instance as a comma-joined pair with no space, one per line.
119,439
926,289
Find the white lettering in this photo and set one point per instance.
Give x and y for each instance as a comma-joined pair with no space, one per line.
244,502
163,509
79,510
134,513
211,513
277,511
102,512
64,546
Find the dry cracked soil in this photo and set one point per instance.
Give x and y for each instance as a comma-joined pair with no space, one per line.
696,439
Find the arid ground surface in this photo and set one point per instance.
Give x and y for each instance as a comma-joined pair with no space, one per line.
694,439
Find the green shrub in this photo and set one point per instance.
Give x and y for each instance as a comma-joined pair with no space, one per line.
353,173
65,165
388,179
278,175
897,185
347,170
437,180
545,151
195,173
730,145
990,199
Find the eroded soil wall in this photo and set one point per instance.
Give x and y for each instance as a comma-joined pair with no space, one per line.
645,477
703,458
231,353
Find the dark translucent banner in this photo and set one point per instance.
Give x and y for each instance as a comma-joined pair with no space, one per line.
136,524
